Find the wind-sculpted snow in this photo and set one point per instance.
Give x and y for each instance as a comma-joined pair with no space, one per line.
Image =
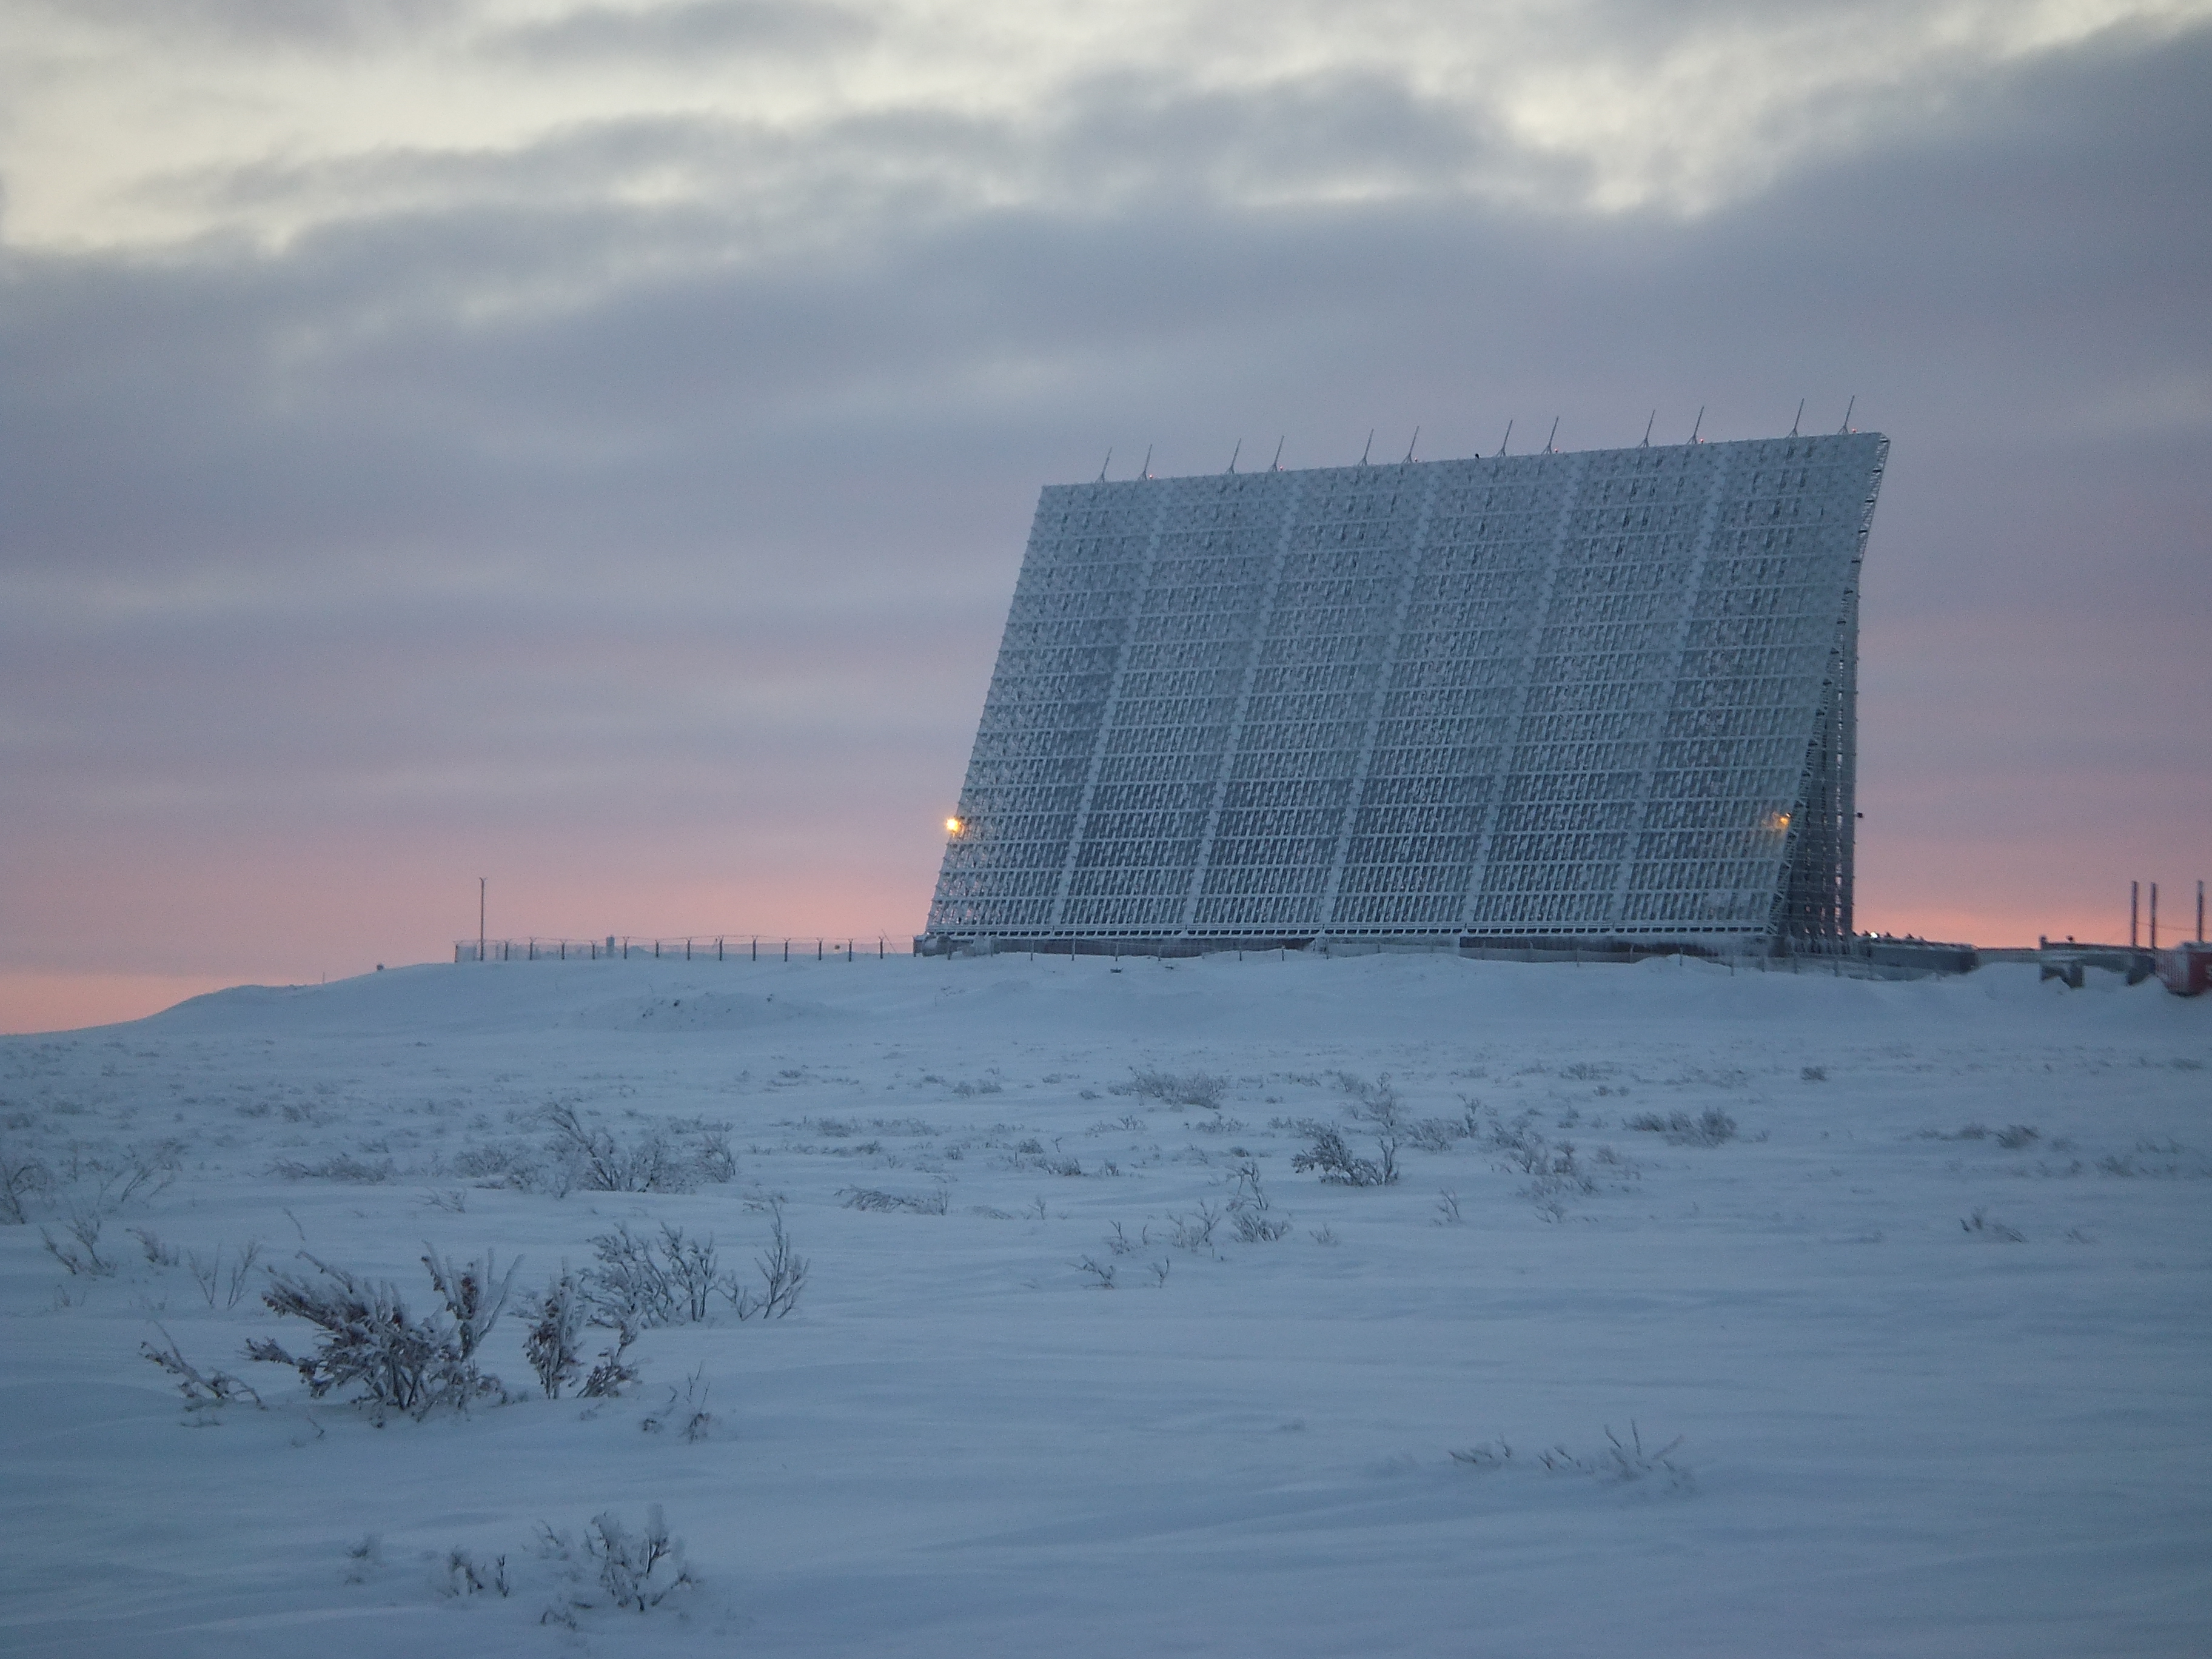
984,1306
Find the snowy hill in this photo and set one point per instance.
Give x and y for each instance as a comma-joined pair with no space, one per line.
1708,1314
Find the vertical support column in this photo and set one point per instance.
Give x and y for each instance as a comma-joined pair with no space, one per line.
1677,650
1335,881
1508,748
1294,487
1106,716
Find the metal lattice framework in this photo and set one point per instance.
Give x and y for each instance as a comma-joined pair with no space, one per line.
1555,696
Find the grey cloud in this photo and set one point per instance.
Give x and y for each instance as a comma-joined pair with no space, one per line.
260,25
527,500
686,33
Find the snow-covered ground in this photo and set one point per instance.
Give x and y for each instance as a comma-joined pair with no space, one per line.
1869,1425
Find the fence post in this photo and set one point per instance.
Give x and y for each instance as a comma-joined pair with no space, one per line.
755,947
786,950
718,947
818,950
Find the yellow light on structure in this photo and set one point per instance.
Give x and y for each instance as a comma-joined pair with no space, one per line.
952,826
1781,821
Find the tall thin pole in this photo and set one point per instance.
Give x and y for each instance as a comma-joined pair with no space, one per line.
480,918
2153,915
2200,913
2135,895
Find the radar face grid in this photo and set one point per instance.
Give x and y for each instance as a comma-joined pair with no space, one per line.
1560,695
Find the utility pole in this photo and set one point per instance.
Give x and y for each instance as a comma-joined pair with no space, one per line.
480,919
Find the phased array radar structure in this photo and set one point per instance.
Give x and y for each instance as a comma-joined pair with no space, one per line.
1603,700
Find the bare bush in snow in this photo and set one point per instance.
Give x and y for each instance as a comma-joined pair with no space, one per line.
202,1391
642,1282
20,1176
82,1255
1983,1224
783,1276
554,1343
590,1156
1326,1155
1375,1102
686,1414
1179,1088
874,1198
1251,1212
463,1575
613,1566
1709,1128
366,1338
1194,1232
216,1281
339,1166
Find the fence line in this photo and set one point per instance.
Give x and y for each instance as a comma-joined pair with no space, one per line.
719,947
767,947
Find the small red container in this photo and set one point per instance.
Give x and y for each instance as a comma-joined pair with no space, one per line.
2186,970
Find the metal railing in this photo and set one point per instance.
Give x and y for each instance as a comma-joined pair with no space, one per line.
718,947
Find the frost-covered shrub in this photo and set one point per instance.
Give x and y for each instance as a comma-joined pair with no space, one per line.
82,1255
554,1343
1326,1155
640,1282
783,1275
636,1280
201,1392
613,1566
21,1176
1981,1225
1180,1089
340,1166
1251,1212
590,1156
1441,1135
1376,1102
464,1575
367,1339
1709,1128
873,1198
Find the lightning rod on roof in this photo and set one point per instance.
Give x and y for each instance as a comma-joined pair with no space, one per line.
1145,470
1700,426
1276,466
1848,408
1234,453
1548,449
1371,446
1648,425
1411,446
1800,421
1507,438
1103,464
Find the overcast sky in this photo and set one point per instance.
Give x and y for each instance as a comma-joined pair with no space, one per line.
591,445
